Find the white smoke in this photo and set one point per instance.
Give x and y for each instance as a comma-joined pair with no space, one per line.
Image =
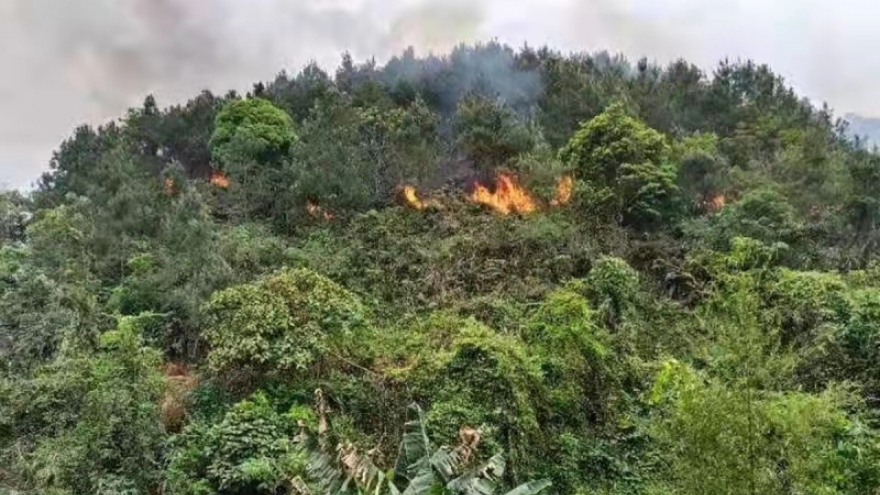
69,62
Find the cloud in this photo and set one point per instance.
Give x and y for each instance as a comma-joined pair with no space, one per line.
436,27
73,62
818,46
67,62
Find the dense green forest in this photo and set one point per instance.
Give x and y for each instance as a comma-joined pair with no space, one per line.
493,271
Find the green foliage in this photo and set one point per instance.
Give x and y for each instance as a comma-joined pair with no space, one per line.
120,207
175,272
747,253
421,468
624,161
286,321
807,303
652,190
703,173
73,170
352,157
613,286
610,140
14,215
409,261
60,237
251,143
472,375
251,249
250,130
854,343
402,142
47,290
249,451
723,439
88,421
763,214
490,133
34,316
576,354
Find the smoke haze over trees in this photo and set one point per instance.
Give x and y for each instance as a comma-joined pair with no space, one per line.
89,62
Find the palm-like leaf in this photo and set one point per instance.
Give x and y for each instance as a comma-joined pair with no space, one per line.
420,468
530,488
343,474
445,462
481,480
414,448
322,467
422,484
471,485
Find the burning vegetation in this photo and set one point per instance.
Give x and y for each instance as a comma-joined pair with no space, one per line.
317,211
169,186
411,198
717,203
219,179
508,196
564,188
713,204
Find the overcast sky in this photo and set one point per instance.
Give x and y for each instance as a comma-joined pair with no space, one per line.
65,62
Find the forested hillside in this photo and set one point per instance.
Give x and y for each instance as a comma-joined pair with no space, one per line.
494,270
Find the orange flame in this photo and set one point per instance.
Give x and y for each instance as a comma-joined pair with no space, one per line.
219,179
316,211
564,187
508,197
169,186
715,203
411,198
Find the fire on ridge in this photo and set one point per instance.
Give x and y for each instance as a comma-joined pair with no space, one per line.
507,196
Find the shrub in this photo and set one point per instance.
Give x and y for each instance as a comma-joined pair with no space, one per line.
249,451
283,322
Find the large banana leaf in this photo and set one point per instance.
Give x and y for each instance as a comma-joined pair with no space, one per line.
415,448
530,488
445,462
335,477
421,485
420,468
480,480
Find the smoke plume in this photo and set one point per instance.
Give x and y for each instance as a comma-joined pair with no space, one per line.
72,62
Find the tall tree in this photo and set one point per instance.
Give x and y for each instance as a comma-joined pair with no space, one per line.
625,162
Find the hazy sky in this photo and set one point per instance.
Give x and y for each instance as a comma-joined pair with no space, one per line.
65,62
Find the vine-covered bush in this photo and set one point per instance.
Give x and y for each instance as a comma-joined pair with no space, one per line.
286,321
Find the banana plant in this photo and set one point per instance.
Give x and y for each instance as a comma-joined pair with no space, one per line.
421,468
